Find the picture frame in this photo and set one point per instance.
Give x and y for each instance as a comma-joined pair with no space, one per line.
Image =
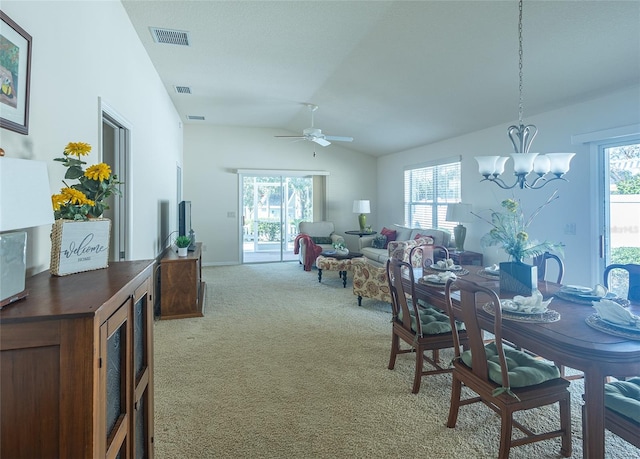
15,75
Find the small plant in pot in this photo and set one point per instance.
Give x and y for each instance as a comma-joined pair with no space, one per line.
183,243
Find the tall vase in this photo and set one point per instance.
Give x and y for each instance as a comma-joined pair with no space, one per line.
519,278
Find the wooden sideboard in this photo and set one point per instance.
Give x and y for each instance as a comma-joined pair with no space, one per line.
76,361
181,286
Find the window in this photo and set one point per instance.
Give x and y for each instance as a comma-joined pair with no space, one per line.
428,189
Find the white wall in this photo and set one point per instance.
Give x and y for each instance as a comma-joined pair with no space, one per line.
577,204
212,155
83,51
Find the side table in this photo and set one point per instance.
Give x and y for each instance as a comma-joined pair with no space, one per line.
361,233
466,258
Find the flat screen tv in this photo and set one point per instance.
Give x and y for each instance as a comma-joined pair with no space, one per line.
184,218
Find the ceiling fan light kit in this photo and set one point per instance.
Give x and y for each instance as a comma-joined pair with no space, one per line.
547,168
313,134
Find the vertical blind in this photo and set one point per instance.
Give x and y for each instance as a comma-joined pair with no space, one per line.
428,189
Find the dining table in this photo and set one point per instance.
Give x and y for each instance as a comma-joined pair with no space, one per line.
568,340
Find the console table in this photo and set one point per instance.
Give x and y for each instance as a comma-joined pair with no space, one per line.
76,365
182,289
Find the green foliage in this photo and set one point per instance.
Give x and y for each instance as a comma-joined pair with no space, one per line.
625,255
183,241
628,186
268,231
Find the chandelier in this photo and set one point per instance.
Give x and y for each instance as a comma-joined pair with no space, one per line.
546,168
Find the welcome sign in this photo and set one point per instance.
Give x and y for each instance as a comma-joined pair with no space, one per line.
78,246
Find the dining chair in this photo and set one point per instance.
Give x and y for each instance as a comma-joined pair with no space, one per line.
523,384
541,262
422,328
633,293
622,409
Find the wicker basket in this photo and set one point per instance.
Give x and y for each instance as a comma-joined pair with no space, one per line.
78,246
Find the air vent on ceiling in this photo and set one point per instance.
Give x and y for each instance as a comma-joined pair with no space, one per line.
195,117
182,89
171,37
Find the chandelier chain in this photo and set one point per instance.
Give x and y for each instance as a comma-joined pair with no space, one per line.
520,55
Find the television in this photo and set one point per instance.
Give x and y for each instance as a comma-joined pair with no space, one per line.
184,222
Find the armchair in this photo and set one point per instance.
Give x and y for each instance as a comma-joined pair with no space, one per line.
322,234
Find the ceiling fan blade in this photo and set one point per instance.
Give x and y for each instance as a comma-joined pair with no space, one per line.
339,138
290,136
320,141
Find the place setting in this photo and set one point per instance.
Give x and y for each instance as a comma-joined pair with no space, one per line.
448,265
586,295
612,318
490,272
525,309
438,279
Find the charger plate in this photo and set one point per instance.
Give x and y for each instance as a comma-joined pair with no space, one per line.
487,275
457,272
576,299
594,321
540,317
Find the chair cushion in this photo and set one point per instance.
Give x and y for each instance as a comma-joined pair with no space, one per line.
524,369
624,397
434,321
322,239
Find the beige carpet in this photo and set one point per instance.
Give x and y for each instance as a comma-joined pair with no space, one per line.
284,367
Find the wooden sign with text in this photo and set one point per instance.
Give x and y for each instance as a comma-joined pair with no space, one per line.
78,246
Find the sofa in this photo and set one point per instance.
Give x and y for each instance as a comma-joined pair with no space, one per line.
405,239
321,234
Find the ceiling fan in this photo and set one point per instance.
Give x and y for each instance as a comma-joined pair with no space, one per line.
314,134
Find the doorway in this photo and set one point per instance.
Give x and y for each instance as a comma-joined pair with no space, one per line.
272,208
620,241
115,135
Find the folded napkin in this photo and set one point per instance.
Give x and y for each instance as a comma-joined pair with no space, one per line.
612,312
493,267
531,303
445,264
440,278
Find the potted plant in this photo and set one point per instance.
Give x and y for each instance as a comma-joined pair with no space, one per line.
183,243
340,248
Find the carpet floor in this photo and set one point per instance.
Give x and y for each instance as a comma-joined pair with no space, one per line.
282,366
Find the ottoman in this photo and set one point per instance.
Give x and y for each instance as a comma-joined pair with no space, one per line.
332,262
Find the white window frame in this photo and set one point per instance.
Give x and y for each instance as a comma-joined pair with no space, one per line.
435,203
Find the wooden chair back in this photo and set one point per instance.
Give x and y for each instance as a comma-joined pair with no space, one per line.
633,293
541,262
470,294
402,308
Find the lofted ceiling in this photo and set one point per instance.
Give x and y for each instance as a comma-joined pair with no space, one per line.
392,74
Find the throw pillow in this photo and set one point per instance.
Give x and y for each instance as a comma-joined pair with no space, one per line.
321,240
390,234
379,242
421,236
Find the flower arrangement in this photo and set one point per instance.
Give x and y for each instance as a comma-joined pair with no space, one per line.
510,231
339,245
87,198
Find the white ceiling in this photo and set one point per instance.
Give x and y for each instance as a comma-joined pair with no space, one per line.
392,74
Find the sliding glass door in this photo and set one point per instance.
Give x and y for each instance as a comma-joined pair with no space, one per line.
272,208
621,184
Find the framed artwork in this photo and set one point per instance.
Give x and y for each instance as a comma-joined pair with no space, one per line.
15,75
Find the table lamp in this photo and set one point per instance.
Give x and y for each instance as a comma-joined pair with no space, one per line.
25,202
362,207
459,213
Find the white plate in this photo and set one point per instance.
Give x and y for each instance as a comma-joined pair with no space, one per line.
434,280
576,289
450,268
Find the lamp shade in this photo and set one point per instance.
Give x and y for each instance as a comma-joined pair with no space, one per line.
361,206
459,212
25,195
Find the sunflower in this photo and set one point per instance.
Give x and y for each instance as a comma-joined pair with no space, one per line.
77,149
98,172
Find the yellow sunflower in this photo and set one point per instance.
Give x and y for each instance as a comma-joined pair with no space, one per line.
72,196
77,149
98,172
